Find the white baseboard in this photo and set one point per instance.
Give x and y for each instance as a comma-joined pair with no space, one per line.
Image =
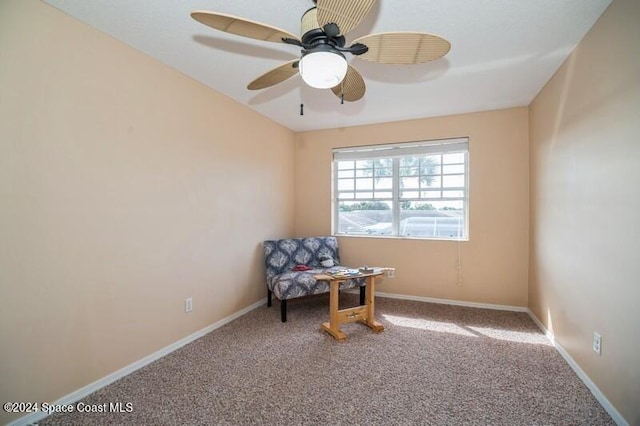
606,404
453,302
107,380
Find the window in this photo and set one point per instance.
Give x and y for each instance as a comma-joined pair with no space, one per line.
415,190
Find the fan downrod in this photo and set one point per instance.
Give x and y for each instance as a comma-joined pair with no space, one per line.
326,37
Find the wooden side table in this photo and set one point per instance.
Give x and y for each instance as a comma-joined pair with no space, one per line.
363,314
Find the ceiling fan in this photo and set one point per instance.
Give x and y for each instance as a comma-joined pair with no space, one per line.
323,64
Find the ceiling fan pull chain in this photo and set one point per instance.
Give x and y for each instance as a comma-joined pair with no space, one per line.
301,109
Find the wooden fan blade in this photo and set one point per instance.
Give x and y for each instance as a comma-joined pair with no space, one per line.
352,86
403,47
275,76
242,27
347,14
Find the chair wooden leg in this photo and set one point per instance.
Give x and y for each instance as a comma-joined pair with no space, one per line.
268,298
362,292
283,310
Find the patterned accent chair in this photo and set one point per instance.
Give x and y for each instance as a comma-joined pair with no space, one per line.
281,256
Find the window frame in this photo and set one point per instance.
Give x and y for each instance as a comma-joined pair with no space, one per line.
395,152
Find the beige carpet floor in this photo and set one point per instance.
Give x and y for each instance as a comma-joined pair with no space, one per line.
433,365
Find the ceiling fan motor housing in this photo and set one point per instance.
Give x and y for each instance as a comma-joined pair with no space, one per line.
313,34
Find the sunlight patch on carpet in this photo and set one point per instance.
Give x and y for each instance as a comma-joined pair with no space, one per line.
423,324
512,335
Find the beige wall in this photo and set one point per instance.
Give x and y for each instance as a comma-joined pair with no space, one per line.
585,236
494,260
124,188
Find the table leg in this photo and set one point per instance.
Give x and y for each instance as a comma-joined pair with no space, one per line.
333,327
370,305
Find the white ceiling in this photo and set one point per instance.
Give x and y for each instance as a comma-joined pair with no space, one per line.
503,52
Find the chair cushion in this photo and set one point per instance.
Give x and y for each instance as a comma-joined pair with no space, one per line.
292,284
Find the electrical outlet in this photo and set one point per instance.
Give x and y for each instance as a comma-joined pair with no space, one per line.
597,343
188,304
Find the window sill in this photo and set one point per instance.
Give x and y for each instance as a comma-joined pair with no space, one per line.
401,237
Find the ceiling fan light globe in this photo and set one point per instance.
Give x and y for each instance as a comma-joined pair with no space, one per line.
323,70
